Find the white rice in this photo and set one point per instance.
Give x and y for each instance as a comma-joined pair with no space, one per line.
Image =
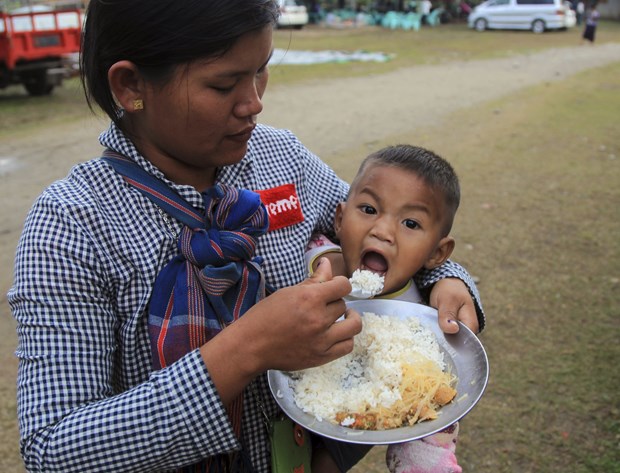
366,282
371,374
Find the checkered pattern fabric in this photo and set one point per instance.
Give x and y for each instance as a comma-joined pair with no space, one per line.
215,278
86,262
212,282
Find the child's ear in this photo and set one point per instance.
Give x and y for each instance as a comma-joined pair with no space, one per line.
441,253
338,218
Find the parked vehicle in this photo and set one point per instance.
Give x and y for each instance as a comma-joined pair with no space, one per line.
535,15
293,14
38,48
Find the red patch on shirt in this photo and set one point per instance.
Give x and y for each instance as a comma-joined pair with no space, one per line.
283,206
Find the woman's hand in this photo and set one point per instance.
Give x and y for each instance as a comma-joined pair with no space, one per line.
300,322
292,329
453,301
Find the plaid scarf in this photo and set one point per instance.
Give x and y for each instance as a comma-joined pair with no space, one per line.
211,282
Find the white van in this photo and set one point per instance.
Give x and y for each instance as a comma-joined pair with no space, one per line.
535,15
293,13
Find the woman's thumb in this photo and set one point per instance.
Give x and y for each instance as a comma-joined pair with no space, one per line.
323,271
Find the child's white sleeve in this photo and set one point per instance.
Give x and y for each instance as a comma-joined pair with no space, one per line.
318,245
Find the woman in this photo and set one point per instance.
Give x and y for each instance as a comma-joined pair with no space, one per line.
182,82
589,32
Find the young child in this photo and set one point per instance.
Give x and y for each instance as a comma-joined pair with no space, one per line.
396,221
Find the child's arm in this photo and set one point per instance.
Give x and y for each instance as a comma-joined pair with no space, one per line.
459,301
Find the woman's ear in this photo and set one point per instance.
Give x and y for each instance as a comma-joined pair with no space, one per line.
338,218
127,85
441,253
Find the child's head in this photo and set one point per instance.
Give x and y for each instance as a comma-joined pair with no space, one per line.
398,215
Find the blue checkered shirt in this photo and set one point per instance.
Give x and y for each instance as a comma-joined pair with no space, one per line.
88,399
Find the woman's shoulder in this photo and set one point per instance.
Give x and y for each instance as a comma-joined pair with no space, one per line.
85,184
266,136
270,146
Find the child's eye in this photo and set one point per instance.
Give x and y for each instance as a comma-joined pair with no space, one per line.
412,224
368,209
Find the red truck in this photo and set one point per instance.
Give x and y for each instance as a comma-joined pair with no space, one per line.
39,50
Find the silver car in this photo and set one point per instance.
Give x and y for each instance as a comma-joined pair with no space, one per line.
535,15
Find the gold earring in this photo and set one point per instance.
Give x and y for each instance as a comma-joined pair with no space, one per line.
138,104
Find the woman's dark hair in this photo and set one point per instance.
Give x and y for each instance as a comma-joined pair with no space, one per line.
158,35
435,171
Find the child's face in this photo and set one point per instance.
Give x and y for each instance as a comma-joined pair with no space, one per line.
392,224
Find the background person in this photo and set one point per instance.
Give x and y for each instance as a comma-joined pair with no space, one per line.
464,9
589,32
93,247
580,9
425,9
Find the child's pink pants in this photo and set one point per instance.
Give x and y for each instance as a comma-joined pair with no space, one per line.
433,454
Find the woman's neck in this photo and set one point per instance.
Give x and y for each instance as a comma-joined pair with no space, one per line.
179,172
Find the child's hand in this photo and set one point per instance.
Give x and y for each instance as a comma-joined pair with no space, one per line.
453,301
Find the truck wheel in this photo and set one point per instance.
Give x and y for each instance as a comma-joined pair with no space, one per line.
36,84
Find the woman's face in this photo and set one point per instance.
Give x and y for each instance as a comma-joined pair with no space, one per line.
203,118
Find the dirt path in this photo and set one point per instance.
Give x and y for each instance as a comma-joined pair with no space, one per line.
336,115
329,117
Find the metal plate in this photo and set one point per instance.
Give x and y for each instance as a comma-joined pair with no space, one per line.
464,355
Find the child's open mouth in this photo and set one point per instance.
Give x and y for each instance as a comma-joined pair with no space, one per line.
373,261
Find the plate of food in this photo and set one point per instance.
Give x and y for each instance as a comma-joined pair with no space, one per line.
404,380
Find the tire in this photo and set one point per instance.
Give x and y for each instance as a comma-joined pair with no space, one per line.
480,24
36,84
538,26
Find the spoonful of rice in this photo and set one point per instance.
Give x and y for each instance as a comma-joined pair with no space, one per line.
365,284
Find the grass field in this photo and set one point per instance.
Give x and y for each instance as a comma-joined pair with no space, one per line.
538,224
